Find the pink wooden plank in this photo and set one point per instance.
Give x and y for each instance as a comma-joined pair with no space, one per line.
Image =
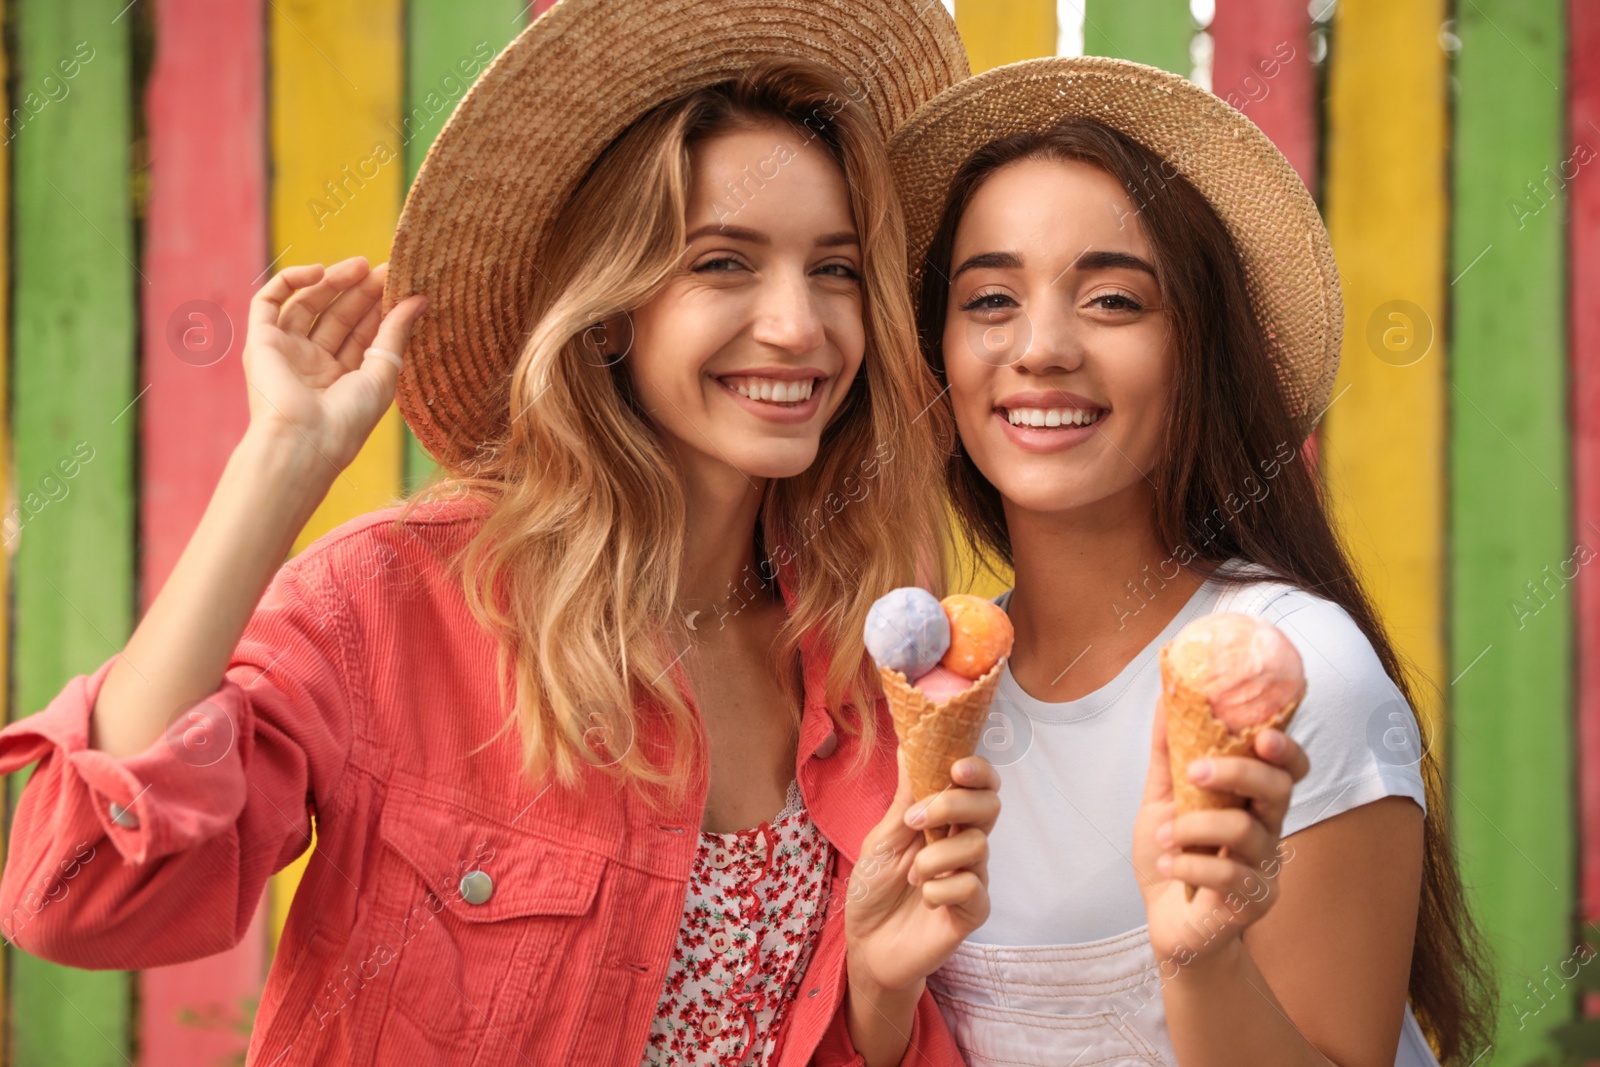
1262,66
205,252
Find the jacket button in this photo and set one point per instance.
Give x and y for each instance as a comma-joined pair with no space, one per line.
476,887
827,746
124,817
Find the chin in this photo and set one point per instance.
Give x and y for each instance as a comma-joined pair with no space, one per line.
788,460
1048,492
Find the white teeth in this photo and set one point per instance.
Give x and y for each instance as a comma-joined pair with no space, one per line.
1051,417
772,390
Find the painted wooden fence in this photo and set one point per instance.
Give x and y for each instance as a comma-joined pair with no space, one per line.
160,159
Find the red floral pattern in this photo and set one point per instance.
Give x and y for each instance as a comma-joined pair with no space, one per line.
753,911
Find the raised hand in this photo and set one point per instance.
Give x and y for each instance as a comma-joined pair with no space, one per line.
306,355
1234,888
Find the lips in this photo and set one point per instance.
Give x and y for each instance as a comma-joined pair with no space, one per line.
769,389
1050,409
1052,417
1049,421
777,394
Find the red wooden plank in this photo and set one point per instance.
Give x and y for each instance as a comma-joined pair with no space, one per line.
1262,66
205,248
1581,172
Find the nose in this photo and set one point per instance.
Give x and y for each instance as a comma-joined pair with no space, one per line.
786,314
1057,338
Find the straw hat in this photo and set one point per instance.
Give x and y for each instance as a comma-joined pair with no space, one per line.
482,207
1287,258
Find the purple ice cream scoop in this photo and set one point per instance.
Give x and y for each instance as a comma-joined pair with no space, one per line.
908,631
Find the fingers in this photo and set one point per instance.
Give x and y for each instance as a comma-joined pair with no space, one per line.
1279,749
965,851
384,355
394,331
974,801
348,309
974,772
354,350
1265,786
956,807
266,305
301,309
1222,874
1235,829
964,889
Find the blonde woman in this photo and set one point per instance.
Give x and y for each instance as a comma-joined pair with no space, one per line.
595,771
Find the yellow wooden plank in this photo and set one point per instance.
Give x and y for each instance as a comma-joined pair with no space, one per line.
997,32
1386,197
1003,31
338,178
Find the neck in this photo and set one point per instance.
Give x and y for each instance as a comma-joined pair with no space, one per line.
1092,582
722,507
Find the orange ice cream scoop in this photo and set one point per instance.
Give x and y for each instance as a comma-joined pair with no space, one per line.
1245,667
980,635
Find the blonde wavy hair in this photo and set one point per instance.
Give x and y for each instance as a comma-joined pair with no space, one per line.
575,569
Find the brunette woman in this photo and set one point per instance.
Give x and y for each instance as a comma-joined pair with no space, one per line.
1133,304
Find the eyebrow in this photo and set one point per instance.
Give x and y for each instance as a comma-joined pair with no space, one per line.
1088,260
988,260
1106,260
744,233
738,233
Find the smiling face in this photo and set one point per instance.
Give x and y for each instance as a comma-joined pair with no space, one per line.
745,355
1057,351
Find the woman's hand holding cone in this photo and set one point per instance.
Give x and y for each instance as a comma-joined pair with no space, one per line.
1235,887
911,903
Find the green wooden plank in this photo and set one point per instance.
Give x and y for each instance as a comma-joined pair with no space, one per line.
1512,606
447,43
75,343
1156,32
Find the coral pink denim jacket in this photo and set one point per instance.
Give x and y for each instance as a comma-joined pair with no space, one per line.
451,913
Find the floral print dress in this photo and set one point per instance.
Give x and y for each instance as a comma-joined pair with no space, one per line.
754,908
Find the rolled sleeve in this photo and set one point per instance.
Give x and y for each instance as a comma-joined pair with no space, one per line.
836,1049
200,819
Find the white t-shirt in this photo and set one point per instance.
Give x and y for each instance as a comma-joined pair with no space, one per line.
1072,774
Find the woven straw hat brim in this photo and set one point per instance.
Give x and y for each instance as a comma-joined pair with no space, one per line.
482,207
1276,228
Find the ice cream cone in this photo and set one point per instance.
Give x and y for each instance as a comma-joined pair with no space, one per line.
1193,732
935,735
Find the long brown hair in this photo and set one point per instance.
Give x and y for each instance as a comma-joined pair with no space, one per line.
576,567
1228,429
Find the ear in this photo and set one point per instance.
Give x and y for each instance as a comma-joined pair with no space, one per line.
607,342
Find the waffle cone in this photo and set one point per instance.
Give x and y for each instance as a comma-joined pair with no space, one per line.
1193,732
935,735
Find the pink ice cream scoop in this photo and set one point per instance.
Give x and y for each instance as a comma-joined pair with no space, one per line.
1245,667
942,683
